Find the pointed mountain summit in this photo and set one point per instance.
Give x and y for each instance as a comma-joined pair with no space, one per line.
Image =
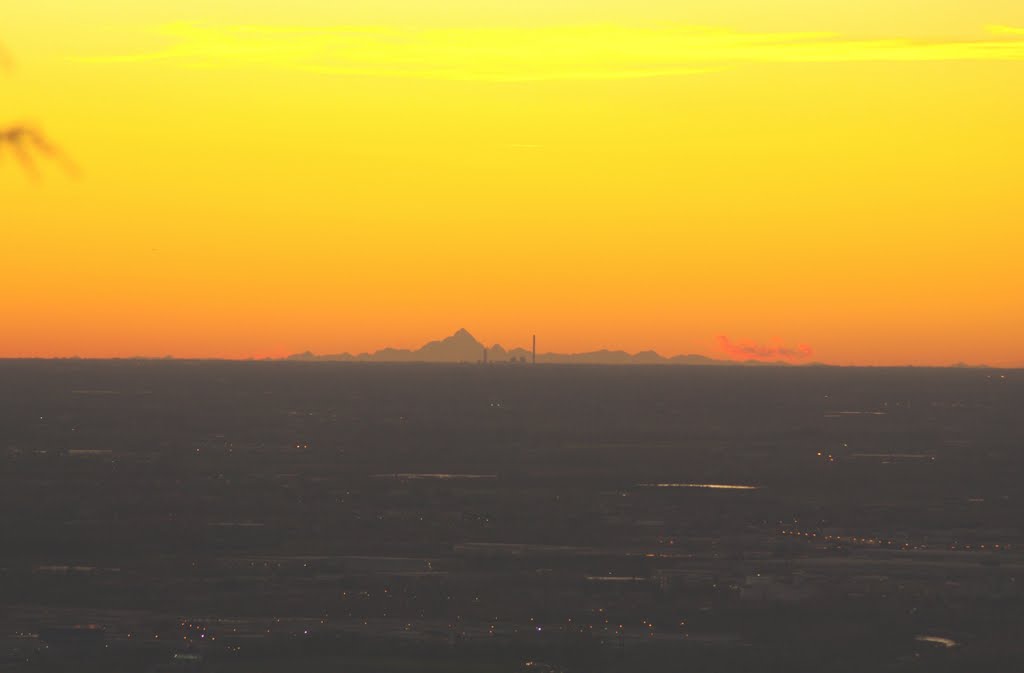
459,347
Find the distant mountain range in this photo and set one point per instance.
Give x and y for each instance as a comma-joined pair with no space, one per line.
463,347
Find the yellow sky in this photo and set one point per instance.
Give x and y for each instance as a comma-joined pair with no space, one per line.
260,178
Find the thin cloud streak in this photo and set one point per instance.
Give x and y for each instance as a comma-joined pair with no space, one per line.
547,53
750,349
1005,30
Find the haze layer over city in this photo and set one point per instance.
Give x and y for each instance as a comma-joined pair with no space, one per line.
279,516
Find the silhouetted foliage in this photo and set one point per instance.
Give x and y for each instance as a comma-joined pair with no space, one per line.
24,141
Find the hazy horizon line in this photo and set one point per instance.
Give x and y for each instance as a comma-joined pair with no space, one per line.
461,347
713,362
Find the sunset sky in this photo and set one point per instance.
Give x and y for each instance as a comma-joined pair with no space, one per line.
841,180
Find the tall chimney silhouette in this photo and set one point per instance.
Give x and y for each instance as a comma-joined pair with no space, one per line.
534,360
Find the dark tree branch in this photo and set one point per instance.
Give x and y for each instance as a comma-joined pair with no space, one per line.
24,141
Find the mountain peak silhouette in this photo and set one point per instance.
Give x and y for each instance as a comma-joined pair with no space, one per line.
461,346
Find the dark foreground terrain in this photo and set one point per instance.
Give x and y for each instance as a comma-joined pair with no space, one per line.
269,516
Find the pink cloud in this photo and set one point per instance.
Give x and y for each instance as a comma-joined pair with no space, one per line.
776,351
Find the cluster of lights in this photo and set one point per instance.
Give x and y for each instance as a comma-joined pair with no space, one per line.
882,542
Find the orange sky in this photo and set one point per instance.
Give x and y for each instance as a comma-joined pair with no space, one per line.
262,178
